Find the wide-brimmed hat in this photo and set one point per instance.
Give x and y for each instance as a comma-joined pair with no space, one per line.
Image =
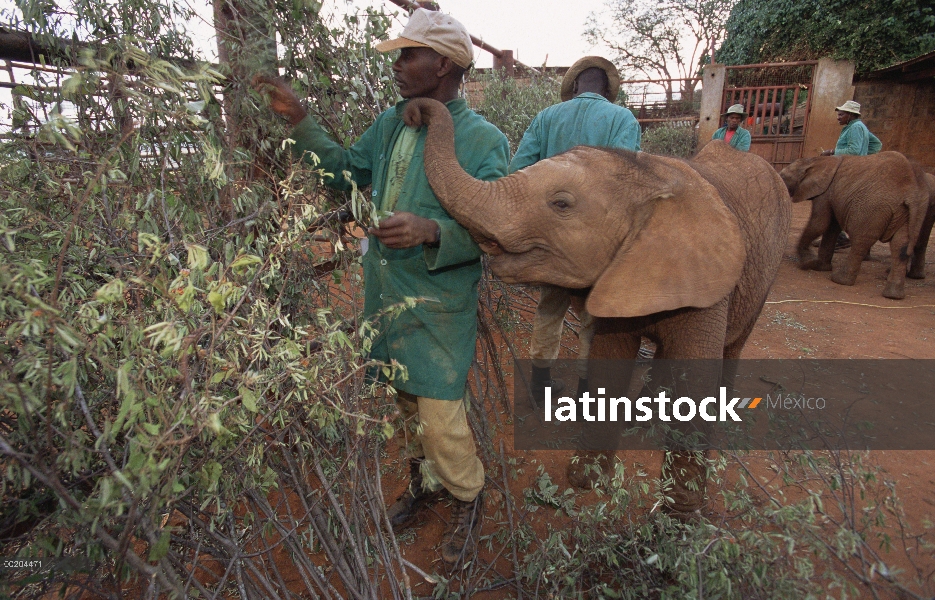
850,106
436,30
613,77
735,109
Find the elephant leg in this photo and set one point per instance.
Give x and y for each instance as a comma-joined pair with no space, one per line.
610,365
917,268
895,287
826,249
692,334
847,274
818,225
684,477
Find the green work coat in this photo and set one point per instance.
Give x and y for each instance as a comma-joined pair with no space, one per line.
436,339
740,140
856,139
588,119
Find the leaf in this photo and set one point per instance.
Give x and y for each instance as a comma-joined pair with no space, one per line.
186,298
110,292
198,257
161,547
195,107
217,301
248,398
244,262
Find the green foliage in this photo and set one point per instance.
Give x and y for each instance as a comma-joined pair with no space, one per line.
816,530
182,362
511,104
872,34
670,140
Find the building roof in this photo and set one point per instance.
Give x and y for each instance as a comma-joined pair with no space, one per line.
915,69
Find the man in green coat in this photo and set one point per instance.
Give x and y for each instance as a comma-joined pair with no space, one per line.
855,139
732,132
587,116
420,252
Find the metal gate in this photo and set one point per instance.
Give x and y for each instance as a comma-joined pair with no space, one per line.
777,98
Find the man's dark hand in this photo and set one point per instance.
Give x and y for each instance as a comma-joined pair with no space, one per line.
406,230
827,153
281,97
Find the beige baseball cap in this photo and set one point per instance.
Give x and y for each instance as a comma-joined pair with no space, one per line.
850,106
438,31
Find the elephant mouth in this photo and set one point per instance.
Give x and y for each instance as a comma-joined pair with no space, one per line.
490,247
530,267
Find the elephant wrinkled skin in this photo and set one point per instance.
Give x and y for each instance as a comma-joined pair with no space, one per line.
917,267
878,197
683,253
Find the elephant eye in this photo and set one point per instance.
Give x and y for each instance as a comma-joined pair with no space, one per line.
562,201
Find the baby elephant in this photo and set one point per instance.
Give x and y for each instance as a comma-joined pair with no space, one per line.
917,268
878,197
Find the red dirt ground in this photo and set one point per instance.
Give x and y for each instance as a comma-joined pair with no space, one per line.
806,316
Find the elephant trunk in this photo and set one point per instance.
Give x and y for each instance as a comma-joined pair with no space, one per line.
467,199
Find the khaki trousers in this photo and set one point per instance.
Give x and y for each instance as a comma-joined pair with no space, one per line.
438,432
547,329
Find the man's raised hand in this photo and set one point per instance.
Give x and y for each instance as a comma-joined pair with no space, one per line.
282,99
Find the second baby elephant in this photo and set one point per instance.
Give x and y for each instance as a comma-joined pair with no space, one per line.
683,253
917,267
878,197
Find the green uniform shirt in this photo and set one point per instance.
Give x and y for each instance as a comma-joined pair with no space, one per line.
740,140
588,119
436,339
856,139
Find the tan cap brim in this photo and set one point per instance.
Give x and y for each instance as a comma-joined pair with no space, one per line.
398,43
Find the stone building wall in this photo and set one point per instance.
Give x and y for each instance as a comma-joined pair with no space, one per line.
902,115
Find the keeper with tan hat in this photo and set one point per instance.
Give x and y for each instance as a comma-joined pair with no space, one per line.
419,250
587,116
732,132
855,138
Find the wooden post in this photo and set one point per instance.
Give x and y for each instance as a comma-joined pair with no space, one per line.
505,62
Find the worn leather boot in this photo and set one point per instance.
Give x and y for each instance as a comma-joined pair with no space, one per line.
403,512
689,474
463,529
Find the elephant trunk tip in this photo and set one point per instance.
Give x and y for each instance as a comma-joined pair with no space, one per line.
421,111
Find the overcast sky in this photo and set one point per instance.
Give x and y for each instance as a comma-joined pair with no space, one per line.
533,29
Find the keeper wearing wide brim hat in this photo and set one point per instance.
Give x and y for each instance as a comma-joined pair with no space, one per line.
589,62
735,109
850,106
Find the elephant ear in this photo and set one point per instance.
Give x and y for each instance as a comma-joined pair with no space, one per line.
689,253
817,179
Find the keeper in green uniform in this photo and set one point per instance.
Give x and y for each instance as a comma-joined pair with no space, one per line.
587,116
732,132
855,138
421,252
